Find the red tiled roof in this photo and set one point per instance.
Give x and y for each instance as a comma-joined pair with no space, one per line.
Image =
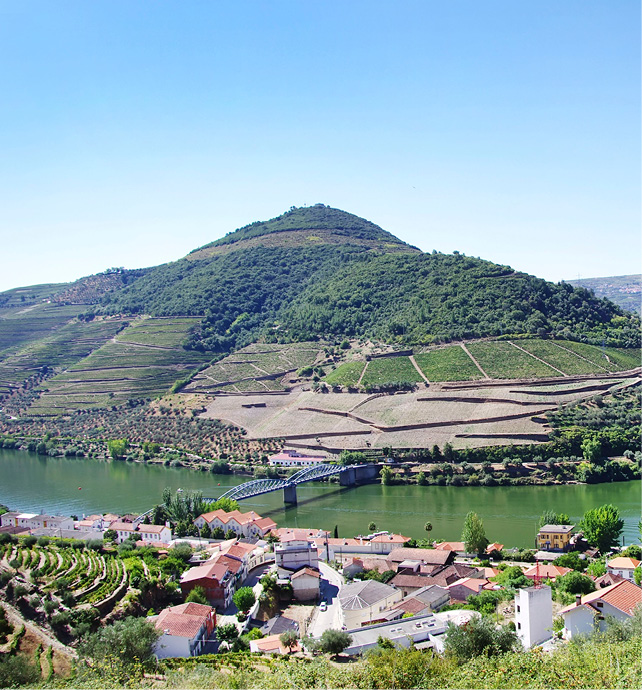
387,538
152,529
211,569
428,556
184,620
624,596
306,571
122,526
450,546
623,562
548,571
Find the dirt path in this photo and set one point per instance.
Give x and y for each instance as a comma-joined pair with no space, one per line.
475,362
548,364
416,366
362,373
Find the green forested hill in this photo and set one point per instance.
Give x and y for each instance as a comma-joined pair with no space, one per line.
321,272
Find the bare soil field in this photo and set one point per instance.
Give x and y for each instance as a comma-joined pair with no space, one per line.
477,415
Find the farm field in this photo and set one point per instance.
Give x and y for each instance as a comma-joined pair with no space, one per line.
346,374
502,360
28,324
619,359
561,358
378,419
239,372
69,344
448,364
390,369
123,369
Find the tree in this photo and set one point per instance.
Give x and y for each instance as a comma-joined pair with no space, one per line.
122,645
197,595
571,560
512,577
637,575
334,641
602,527
575,583
386,476
372,527
244,599
117,447
227,633
550,517
478,637
597,569
473,534
289,639
592,449
428,527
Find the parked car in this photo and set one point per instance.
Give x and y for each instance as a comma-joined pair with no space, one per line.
323,606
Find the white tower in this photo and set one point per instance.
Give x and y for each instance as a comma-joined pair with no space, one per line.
534,615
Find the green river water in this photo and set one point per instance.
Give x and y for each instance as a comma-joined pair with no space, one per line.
79,486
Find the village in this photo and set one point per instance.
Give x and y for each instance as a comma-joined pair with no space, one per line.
286,590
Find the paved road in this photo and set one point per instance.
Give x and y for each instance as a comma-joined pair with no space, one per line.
331,582
252,580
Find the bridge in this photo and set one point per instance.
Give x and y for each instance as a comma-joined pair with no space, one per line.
348,476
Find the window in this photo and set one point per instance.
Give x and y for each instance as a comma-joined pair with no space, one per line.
600,604
519,626
518,608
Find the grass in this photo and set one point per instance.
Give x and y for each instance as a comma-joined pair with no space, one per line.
448,364
389,370
501,360
346,374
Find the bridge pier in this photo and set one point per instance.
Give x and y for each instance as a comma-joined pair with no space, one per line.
348,477
289,494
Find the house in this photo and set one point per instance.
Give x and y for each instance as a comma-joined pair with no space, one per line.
534,615
184,629
607,580
457,546
156,534
36,521
623,566
272,645
589,611
90,522
292,458
363,602
545,571
305,584
385,543
554,537
295,551
424,600
465,587
495,546
421,631
410,579
215,578
424,556
242,524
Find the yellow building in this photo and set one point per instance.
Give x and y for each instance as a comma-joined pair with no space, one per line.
554,537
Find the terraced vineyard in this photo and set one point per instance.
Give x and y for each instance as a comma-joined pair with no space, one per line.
91,577
69,344
502,360
346,374
390,369
255,368
127,367
21,326
448,364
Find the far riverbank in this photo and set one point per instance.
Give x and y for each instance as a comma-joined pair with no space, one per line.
510,513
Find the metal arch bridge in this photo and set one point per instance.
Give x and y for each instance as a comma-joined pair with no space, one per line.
264,486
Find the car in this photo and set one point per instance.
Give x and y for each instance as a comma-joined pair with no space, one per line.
323,606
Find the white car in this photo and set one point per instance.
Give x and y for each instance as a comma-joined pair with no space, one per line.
323,606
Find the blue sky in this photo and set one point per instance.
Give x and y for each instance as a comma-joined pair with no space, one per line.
133,132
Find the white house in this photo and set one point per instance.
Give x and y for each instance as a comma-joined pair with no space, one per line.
534,615
589,611
622,566
185,629
293,553
36,521
292,458
362,603
159,534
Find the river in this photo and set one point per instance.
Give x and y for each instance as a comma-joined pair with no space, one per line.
79,486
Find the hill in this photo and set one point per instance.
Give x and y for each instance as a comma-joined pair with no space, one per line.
625,291
321,272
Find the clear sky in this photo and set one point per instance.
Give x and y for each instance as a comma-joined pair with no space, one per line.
134,131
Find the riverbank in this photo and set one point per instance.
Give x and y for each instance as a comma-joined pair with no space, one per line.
69,485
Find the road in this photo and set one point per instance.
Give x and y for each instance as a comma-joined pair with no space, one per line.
331,582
